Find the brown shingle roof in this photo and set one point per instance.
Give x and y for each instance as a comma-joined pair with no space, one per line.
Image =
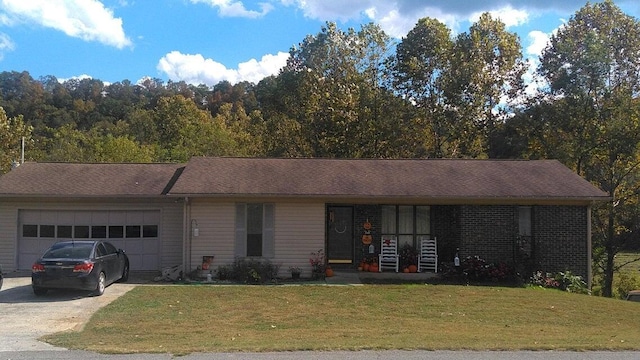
74,179
366,179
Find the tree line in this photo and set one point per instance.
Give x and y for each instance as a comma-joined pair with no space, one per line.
357,93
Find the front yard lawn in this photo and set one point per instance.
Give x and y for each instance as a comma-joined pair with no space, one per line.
188,318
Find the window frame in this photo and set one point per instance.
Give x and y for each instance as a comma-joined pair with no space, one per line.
241,248
396,231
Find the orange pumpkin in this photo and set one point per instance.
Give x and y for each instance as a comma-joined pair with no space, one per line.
405,270
413,268
367,225
365,267
373,268
328,272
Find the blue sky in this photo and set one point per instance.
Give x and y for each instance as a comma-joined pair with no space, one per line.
207,41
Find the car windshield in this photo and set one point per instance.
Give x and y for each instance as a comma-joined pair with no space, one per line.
69,251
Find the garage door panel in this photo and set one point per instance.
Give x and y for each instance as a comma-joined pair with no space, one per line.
149,245
134,246
30,250
144,253
150,261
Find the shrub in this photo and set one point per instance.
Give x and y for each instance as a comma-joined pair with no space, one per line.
224,272
251,271
623,283
477,269
563,280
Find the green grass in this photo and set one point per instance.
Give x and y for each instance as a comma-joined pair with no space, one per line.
624,257
186,319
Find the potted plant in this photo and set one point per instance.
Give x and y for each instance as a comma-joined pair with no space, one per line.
295,272
317,265
408,258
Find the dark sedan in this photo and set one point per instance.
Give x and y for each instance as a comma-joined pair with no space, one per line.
81,265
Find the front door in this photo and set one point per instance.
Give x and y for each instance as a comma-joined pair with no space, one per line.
340,235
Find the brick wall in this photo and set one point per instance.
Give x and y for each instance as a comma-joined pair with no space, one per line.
362,213
488,231
445,226
560,239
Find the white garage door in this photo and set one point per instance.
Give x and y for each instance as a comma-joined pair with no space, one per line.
137,232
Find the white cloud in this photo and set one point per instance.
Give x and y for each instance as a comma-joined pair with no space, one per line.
88,20
78,77
6,45
232,8
539,41
196,70
508,15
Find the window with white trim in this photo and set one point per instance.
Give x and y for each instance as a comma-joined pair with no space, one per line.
255,230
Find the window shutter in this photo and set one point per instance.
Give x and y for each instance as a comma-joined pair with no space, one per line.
240,248
268,232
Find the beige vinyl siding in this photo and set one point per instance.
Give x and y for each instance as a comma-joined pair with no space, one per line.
216,233
171,235
299,231
8,235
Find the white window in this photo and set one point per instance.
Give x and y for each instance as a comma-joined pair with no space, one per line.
524,220
254,230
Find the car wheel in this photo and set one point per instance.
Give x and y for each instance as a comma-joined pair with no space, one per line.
40,291
125,273
102,283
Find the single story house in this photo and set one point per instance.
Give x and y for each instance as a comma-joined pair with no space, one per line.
284,209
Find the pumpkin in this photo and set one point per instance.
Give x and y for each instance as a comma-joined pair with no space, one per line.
328,272
366,239
359,268
367,225
405,270
413,268
365,267
373,268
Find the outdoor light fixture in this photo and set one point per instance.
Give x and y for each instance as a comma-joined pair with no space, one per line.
194,228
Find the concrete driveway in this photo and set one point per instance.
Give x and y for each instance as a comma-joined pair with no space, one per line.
25,317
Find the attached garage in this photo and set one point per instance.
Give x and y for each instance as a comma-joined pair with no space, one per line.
126,204
137,232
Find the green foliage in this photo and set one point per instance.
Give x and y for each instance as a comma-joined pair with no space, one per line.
408,255
625,282
12,130
476,269
589,118
252,271
563,280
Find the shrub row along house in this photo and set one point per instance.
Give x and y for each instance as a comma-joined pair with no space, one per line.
163,215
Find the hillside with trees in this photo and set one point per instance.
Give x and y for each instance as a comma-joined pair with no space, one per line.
359,94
